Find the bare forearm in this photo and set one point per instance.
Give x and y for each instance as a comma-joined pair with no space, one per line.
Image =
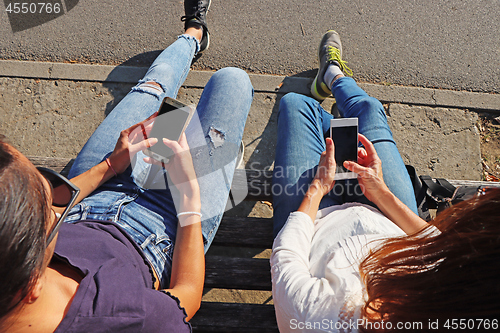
312,199
90,180
188,262
398,212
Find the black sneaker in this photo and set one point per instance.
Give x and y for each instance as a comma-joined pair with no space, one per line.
329,52
196,15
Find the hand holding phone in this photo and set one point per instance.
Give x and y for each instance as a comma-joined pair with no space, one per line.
369,170
181,169
325,172
131,141
344,133
172,120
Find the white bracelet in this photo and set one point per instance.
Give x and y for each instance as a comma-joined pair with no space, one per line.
189,213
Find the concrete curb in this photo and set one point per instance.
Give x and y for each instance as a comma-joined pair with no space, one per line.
261,83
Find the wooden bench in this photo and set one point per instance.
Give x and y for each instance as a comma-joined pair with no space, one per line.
225,272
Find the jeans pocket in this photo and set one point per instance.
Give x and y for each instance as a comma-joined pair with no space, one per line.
159,250
160,246
77,213
166,247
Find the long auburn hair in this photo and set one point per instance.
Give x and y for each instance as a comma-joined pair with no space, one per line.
431,276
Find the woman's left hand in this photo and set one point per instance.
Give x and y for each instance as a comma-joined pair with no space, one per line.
180,167
131,141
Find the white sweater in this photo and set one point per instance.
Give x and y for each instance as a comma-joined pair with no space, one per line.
315,267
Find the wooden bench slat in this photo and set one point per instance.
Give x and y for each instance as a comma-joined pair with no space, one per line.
237,273
59,164
234,317
258,184
456,182
251,232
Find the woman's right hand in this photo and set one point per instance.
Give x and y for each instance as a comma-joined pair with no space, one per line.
131,141
369,170
325,174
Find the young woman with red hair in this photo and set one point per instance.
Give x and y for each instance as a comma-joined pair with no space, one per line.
354,255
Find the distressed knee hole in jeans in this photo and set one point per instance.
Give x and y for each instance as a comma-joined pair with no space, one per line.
217,137
151,87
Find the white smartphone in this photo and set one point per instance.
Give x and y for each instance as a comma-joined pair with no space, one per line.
344,133
172,120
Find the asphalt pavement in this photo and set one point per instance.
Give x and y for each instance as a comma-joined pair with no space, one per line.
449,44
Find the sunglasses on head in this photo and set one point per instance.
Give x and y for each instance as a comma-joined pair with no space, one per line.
64,194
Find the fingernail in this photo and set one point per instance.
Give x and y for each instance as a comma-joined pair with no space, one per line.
150,142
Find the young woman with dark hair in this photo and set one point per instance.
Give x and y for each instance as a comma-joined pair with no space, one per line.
354,255
24,203
129,256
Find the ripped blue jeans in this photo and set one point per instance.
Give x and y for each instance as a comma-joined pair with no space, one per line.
140,200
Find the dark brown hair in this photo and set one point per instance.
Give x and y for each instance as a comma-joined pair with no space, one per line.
432,275
23,211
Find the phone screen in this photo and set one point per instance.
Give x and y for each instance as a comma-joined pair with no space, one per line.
169,124
344,133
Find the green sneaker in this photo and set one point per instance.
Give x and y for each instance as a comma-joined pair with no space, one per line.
329,52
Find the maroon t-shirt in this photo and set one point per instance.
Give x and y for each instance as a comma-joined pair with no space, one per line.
116,293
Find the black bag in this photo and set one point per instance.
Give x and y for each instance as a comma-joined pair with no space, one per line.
438,194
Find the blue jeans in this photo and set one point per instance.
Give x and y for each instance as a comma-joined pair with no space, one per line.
147,212
302,127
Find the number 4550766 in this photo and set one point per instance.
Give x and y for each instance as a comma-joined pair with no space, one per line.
471,324
33,8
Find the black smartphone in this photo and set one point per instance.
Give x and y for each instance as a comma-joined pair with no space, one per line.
172,120
344,133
